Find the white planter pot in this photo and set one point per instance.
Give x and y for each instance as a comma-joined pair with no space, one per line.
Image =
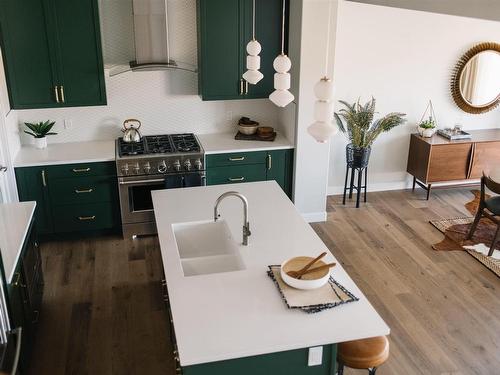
427,133
41,142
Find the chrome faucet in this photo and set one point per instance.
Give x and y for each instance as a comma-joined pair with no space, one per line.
246,224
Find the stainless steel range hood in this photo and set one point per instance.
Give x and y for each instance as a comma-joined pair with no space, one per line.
151,37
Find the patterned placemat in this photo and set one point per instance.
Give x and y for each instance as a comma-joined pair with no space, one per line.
330,295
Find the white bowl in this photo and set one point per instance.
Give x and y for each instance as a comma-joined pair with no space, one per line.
248,129
311,280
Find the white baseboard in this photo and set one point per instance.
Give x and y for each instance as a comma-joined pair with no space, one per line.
381,186
315,217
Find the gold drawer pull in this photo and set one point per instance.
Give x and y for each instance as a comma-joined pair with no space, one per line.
18,280
241,158
81,170
84,191
236,179
86,218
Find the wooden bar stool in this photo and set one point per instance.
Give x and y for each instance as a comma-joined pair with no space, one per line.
363,354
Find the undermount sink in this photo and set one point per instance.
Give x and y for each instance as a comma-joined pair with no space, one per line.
207,247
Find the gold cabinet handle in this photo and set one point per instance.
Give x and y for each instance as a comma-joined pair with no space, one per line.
44,179
236,179
18,280
56,93
81,170
269,162
61,91
246,87
240,158
241,86
86,218
77,191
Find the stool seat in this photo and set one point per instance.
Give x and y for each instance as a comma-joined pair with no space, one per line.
364,354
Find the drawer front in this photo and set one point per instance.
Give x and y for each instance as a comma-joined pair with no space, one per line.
236,174
79,190
240,158
93,216
82,169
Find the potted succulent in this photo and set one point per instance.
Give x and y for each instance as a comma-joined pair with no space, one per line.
427,128
39,131
357,122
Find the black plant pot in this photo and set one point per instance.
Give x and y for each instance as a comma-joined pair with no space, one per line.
357,157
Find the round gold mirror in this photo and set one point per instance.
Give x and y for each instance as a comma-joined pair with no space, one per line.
475,84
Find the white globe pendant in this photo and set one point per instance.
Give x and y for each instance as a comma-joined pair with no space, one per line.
253,48
281,97
324,89
282,63
252,76
322,131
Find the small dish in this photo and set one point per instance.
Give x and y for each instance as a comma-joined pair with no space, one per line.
265,131
309,281
248,129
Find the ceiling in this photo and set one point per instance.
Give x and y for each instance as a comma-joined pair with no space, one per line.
485,9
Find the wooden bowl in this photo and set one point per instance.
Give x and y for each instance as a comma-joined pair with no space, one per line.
265,131
311,280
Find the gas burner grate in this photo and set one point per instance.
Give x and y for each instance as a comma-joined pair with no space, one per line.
158,144
185,142
131,148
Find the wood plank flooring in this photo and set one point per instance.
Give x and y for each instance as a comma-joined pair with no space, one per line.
103,312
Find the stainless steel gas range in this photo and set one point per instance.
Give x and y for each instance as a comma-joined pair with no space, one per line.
156,162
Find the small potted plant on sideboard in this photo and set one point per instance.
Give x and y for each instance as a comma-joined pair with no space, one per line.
40,131
427,128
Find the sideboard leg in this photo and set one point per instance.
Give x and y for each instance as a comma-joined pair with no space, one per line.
429,187
414,183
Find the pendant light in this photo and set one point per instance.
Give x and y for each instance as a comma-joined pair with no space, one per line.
253,75
282,64
323,128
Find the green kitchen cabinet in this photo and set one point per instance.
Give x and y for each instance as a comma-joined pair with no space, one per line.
52,53
72,199
32,185
224,29
253,166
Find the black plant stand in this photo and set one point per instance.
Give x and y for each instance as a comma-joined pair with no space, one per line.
359,187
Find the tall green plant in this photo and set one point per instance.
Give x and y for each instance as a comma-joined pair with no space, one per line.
40,129
356,121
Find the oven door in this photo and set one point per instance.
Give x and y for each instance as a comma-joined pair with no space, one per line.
136,202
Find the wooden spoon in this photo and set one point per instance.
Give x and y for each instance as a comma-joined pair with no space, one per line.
298,274
320,268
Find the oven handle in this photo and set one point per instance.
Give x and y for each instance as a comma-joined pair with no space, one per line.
142,181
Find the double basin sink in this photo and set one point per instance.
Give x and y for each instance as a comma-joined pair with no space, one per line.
207,247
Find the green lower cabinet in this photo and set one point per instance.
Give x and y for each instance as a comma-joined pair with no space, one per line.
72,198
251,167
293,362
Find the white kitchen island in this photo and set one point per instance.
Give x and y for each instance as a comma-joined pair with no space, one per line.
231,315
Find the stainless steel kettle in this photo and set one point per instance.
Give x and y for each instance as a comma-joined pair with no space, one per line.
131,130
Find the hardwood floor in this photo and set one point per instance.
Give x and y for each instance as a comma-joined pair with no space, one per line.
103,312
443,307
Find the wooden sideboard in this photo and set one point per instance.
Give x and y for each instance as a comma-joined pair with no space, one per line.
437,159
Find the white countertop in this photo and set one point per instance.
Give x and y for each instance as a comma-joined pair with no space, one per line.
225,143
66,153
15,220
238,314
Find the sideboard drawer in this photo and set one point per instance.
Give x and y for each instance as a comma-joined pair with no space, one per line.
94,216
80,190
82,169
240,158
232,175
449,162
486,157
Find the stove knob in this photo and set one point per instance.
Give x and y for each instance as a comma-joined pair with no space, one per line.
177,166
197,164
147,168
125,169
137,168
187,165
162,167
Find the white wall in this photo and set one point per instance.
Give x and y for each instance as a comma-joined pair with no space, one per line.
166,102
308,31
403,58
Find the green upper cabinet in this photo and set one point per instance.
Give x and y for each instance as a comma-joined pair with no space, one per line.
224,29
52,52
